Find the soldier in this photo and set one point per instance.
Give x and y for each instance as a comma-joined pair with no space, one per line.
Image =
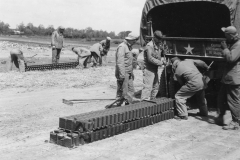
83,55
191,81
124,69
106,46
57,44
152,60
16,57
228,96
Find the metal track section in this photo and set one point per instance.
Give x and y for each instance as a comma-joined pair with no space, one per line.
93,126
51,66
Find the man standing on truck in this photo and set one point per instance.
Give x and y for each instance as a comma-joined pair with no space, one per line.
228,96
191,81
16,57
152,60
106,46
83,55
124,69
57,44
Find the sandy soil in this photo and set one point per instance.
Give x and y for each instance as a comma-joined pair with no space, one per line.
29,113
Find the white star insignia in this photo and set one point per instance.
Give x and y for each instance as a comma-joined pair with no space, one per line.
189,49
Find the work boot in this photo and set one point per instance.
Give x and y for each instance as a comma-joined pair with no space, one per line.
232,126
219,120
181,117
202,114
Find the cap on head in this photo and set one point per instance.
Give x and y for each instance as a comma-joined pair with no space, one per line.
61,27
158,34
132,36
108,38
230,30
174,59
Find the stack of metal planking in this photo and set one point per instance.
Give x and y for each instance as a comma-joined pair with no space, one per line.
93,126
51,66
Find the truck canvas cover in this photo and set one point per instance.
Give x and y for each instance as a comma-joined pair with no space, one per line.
189,18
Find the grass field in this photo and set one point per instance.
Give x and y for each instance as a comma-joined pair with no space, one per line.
46,41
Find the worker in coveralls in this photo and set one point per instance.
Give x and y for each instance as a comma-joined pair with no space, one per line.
16,57
152,60
124,70
96,52
106,46
57,44
83,56
229,94
192,83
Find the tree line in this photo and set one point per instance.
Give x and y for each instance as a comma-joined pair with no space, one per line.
88,33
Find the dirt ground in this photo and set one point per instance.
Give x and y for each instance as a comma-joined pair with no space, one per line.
31,104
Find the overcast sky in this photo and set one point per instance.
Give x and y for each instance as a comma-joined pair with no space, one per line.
109,15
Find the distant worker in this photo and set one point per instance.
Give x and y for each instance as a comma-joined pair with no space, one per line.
191,81
57,44
124,70
136,53
106,46
96,52
228,96
16,57
83,56
152,60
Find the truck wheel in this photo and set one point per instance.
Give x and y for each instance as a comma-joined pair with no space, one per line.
162,85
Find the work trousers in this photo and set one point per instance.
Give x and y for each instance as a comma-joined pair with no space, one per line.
183,94
95,58
56,55
229,97
83,61
151,84
125,88
18,61
103,60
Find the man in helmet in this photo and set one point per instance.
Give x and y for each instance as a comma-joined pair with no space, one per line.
57,41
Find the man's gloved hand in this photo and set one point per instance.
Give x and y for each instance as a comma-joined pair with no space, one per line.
223,44
53,47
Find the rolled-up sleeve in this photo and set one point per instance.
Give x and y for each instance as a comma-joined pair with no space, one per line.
152,59
120,61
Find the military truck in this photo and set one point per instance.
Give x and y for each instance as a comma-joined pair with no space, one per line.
192,30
